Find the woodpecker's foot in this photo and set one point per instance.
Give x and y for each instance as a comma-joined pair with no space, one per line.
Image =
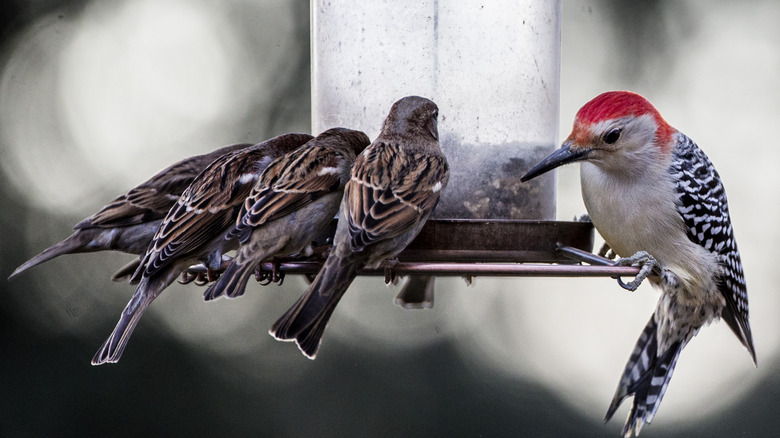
390,276
645,261
607,252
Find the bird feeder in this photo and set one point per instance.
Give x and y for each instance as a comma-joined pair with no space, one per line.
493,68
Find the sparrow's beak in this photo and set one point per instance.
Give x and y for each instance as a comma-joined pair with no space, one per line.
433,127
565,155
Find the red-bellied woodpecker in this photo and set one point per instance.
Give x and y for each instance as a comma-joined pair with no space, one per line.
656,199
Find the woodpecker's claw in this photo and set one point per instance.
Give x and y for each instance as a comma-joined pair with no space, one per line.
642,259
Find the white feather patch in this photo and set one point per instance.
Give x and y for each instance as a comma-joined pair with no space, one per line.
328,171
436,187
248,177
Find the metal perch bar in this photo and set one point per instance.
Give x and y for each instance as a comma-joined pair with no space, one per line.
599,267
447,269
503,248
470,248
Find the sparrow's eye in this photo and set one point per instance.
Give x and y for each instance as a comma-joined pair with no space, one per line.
612,136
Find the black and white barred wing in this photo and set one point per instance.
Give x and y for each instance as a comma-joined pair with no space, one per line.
704,208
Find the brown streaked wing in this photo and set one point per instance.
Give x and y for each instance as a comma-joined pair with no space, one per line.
418,188
205,208
291,183
390,191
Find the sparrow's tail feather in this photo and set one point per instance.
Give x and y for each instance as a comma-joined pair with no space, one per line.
126,272
646,377
76,243
147,291
306,320
232,283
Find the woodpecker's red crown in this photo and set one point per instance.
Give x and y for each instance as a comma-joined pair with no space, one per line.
617,130
616,104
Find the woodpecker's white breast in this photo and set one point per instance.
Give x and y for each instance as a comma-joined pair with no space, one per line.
638,213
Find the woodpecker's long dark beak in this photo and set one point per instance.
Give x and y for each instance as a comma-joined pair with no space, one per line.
564,155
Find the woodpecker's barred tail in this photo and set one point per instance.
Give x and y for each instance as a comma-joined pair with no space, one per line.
702,203
646,377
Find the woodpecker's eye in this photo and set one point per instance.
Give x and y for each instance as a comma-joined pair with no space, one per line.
612,136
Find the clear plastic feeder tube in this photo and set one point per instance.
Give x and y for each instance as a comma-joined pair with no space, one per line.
493,68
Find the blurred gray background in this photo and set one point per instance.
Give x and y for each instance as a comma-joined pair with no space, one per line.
95,97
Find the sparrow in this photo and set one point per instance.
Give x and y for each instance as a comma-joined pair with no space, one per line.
294,201
129,222
395,184
194,230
